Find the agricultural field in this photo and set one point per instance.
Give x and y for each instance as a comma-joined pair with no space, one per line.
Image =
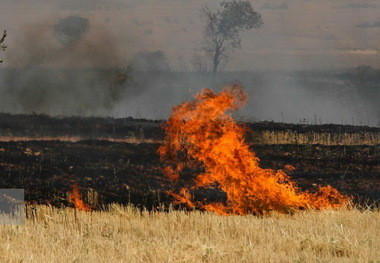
116,160
132,218
131,131
126,234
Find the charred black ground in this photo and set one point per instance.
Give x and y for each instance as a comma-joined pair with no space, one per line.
128,169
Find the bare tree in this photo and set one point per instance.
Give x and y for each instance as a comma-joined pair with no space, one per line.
2,45
222,28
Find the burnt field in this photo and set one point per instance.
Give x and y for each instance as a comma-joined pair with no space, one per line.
116,160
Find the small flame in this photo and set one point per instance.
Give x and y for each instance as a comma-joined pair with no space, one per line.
203,132
76,200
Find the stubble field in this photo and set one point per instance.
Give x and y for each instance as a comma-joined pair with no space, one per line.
126,234
45,156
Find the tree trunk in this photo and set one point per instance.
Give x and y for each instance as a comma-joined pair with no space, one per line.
215,67
216,61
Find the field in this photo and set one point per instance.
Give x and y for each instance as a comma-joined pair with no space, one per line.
126,234
116,165
116,160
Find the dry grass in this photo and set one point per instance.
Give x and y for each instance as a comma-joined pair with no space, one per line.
258,137
76,139
123,234
324,138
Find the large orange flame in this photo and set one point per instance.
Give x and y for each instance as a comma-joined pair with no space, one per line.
203,133
76,200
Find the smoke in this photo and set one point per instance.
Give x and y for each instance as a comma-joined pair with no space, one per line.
309,97
114,58
64,66
268,6
70,29
369,25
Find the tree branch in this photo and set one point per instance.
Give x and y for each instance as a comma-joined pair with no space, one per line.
2,45
3,37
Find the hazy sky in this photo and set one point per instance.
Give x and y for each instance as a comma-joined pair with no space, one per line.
297,34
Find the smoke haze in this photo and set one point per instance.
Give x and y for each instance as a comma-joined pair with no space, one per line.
312,61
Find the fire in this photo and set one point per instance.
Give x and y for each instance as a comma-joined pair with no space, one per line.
202,133
75,199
